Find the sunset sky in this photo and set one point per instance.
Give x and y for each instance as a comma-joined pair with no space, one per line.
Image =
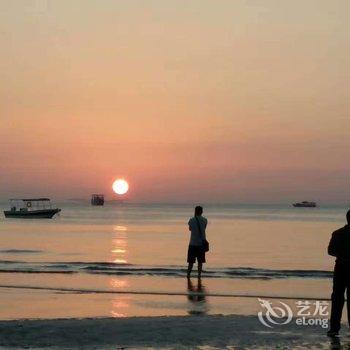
193,100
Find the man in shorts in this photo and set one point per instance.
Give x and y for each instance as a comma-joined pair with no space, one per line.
197,226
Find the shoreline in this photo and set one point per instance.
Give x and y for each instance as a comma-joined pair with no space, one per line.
169,293
190,332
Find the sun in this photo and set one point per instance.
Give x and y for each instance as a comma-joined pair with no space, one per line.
120,186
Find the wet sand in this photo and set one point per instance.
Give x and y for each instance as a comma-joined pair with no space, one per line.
173,332
53,296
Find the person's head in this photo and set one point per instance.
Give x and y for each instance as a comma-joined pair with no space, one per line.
198,210
348,216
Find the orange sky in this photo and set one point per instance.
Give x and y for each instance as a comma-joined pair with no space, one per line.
225,101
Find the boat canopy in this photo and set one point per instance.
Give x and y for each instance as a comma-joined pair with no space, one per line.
28,203
31,199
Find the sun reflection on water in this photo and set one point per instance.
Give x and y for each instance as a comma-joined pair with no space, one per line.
119,245
120,306
120,303
117,283
120,228
119,253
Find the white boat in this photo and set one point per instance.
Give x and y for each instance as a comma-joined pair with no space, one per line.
31,208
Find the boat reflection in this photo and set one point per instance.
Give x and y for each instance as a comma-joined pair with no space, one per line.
197,297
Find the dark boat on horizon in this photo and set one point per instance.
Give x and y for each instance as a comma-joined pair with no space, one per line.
305,204
97,199
31,208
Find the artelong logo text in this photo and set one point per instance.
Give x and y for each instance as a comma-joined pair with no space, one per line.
309,313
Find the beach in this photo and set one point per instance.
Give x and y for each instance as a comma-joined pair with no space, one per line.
196,332
99,278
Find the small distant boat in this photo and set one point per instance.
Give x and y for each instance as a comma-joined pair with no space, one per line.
31,208
97,199
305,204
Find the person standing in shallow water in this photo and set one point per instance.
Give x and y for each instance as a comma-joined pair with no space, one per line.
339,246
197,226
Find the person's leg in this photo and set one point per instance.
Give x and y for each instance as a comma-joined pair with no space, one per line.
339,287
191,260
348,302
200,267
347,271
189,269
201,260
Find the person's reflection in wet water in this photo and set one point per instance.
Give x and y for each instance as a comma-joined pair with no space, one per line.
197,297
336,344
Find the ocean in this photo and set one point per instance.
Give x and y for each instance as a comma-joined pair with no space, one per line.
126,259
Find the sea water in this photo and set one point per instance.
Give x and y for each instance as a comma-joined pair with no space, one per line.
140,250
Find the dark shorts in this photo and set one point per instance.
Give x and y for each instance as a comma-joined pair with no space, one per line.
195,252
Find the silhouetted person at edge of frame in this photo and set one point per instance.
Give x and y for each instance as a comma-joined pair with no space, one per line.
196,250
339,246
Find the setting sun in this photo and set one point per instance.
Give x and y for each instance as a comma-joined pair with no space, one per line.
120,186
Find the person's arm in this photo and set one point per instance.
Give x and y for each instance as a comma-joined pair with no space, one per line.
189,225
333,247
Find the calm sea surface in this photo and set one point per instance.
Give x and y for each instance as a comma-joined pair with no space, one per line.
142,248
157,235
